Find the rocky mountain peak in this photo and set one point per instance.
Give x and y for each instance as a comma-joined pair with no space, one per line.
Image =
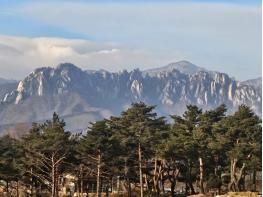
68,67
69,90
46,81
256,83
183,66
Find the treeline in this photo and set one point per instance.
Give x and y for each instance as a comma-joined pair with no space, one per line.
144,150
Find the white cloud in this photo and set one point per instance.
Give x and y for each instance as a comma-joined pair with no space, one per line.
143,22
20,55
219,36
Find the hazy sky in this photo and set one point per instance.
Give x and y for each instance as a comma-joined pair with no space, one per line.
113,35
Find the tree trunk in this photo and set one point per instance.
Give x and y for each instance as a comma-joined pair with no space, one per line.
140,168
254,180
155,182
235,182
107,190
81,180
77,187
162,183
157,178
240,177
56,180
129,188
17,188
111,185
7,188
189,178
232,175
192,188
158,187
146,182
201,168
53,189
31,181
172,188
98,175
172,178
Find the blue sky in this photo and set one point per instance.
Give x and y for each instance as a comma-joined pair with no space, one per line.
114,35
12,2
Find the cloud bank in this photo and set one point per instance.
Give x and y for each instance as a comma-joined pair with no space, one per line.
20,55
218,36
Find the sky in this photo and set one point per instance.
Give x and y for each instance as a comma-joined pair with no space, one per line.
221,35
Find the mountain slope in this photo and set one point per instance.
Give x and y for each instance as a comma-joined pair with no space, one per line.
6,81
83,96
256,83
6,85
182,66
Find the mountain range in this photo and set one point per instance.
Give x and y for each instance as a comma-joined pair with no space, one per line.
81,96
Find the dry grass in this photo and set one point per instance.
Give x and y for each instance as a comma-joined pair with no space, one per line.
199,195
242,194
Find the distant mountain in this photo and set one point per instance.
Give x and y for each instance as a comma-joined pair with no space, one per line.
256,83
7,81
182,66
6,85
82,96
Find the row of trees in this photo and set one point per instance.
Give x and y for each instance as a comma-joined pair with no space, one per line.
144,150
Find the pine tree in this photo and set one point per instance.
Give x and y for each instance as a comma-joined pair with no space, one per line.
46,147
10,159
139,128
182,146
98,147
202,134
239,136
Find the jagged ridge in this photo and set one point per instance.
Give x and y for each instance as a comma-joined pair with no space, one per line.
169,89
